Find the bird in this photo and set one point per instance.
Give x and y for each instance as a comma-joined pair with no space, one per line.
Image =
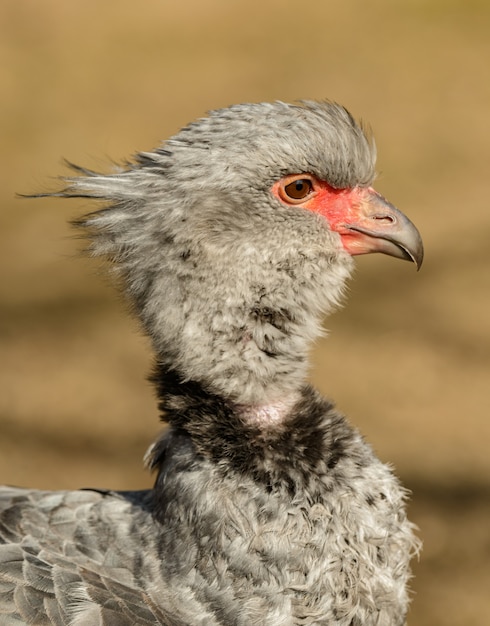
232,241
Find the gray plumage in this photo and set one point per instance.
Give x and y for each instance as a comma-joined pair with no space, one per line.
268,507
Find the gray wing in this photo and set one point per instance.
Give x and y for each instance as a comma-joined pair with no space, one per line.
73,558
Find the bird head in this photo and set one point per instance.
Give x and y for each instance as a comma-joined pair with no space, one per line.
236,236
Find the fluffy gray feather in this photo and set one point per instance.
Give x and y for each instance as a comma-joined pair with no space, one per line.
268,507
193,226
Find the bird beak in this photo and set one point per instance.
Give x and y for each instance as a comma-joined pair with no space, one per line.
375,225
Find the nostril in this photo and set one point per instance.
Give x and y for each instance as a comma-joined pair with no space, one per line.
389,219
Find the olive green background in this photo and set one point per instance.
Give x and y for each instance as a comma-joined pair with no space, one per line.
407,359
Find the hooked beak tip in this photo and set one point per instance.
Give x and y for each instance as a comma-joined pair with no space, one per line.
381,227
416,257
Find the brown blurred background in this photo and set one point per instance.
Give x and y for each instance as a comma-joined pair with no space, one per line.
408,358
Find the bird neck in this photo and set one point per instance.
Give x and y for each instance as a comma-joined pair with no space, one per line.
239,315
254,357
182,402
245,344
306,428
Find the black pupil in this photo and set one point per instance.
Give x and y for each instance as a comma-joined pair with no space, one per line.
300,184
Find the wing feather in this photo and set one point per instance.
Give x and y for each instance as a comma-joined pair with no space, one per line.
55,570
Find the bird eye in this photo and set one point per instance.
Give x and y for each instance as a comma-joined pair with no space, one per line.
298,189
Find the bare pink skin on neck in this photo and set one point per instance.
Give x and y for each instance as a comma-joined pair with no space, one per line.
268,415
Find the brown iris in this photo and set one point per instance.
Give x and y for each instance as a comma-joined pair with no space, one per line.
298,189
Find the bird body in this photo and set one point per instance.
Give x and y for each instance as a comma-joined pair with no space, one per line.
232,241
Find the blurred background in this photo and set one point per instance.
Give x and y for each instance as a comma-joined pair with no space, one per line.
408,358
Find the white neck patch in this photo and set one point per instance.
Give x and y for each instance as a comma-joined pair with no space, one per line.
270,414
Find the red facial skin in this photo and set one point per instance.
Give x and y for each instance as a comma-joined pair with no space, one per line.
365,221
339,207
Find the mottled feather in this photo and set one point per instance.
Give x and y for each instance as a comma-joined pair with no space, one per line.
268,508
